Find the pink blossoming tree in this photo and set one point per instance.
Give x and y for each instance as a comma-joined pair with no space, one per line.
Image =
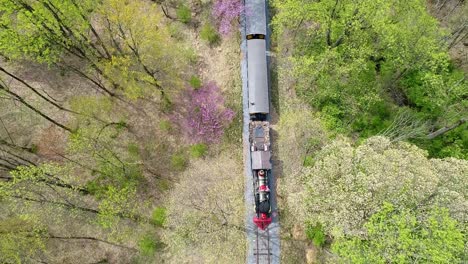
226,11
201,114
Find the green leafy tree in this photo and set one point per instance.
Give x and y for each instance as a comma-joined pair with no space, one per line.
135,55
405,236
114,205
47,184
47,193
351,58
44,30
22,238
144,56
50,31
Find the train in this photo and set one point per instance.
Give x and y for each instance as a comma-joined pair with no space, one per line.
259,127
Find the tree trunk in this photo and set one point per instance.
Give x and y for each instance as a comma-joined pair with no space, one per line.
166,12
19,98
36,91
446,129
89,238
67,205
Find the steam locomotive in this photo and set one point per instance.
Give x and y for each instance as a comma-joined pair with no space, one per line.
259,127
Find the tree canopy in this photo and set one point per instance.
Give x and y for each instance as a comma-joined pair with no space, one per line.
405,236
357,62
347,185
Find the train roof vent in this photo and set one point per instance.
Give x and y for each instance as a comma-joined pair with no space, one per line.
255,36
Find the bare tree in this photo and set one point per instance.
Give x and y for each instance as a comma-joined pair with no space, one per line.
8,91
405,126
446,129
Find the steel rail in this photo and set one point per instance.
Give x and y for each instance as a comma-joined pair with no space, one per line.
258,256
260,251
268,244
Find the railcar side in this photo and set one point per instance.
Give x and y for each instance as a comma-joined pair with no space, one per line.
259,103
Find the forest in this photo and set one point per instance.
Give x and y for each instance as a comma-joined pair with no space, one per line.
121,131
372,96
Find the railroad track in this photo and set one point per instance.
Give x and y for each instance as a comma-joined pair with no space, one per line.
263,245
262,251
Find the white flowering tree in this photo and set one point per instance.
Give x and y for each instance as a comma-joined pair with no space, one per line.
347,185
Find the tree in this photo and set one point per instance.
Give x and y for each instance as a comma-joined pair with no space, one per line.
12,156
111,162
300,135
124,54
205,213
356,61
226,12
34,90
21,239
50,194
45,184
201,114
143,53
451,14
405,236
4,89
46,31
42,31
347,185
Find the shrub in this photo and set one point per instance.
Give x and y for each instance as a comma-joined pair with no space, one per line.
176,30
148,245
195,82
316,234
93,187
308,161
133,175
133,150
164,185
165,125
198,150
208,33
191,55
166,105
184,14
178,162
34,149
158,218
